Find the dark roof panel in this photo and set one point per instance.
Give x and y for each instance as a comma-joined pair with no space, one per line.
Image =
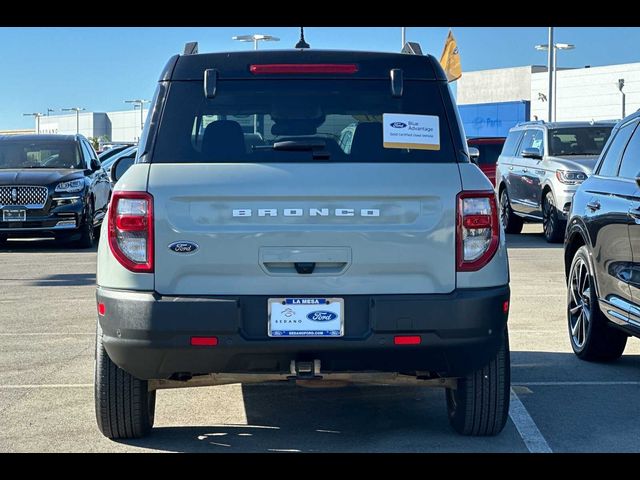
370,64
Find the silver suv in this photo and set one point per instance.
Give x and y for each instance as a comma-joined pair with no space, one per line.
302,216
540,168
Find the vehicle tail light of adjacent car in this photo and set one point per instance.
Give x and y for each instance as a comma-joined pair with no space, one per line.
477,230
131,230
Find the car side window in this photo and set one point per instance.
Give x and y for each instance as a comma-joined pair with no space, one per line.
630,163
609,165
532,139
85,154
510,145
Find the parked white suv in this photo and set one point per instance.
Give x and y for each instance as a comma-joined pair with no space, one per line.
248,243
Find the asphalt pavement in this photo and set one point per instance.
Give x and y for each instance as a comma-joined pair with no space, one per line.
559,403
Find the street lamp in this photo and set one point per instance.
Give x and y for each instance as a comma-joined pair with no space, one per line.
77,110
140,103
49,110
37,117
403,31
255,38
553,72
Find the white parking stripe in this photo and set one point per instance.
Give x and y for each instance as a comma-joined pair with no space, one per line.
570,384
526,427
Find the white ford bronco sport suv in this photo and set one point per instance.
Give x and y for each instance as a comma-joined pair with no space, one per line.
304,216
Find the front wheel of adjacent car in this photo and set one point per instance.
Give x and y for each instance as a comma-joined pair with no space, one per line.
552,225
510,221
125,407
590,335
479,406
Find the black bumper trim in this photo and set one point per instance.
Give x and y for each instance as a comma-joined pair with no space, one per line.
149,334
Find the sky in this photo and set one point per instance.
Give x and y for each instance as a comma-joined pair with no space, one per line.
98,68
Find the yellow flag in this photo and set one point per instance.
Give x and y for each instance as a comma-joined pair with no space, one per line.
450,59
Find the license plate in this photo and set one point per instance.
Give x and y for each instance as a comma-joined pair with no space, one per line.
306,317
14,215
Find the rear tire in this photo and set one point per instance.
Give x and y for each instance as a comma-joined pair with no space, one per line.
510,221
480,404
87,230
591,337
552,226
125,407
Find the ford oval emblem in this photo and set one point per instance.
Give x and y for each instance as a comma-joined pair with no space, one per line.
322,316
398,125
183,247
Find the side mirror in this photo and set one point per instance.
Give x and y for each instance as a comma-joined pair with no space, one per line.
532,153
120,166
95,165
474,154
638,180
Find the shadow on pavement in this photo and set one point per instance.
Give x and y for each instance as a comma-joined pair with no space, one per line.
64,280
42,246
530,240
285,418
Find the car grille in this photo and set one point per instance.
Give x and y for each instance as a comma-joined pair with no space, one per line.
32,197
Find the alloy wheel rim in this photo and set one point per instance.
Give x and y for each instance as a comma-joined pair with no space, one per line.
504,210
548,220
579,303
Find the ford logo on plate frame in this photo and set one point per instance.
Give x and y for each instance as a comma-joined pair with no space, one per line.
321,316
183,247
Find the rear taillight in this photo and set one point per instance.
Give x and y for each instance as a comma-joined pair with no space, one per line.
131,230
477,230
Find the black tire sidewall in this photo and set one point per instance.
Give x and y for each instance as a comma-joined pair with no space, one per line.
583,254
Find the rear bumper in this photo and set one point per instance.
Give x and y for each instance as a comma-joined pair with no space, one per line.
148,335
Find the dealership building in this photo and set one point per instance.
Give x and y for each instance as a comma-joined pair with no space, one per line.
493,101
122,126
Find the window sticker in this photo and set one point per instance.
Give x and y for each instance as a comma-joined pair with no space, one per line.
401,130
537,143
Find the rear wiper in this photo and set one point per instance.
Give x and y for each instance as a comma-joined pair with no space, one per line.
316,146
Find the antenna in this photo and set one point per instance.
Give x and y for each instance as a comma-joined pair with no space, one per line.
301,43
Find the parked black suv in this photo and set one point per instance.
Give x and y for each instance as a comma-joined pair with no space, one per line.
602,246
51,186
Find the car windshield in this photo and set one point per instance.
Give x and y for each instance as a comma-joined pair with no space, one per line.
578,140
331,120
33,154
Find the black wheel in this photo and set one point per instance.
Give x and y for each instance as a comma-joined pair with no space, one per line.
125,407
510,221
480,404
552,226
591,337
87,230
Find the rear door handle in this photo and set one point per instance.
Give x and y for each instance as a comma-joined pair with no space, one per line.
594,205
525,170
510,167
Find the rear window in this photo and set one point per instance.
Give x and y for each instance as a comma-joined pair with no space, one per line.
30,154
290,120
489,152
578,141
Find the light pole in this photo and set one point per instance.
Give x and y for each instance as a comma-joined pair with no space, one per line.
553,77
37,117
140,103
77,110
620,87
255,38
49,110
404,37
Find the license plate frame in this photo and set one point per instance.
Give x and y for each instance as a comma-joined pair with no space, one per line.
299,321
14,215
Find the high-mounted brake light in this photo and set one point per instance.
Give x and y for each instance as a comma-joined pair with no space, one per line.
284,68
477,230
130,227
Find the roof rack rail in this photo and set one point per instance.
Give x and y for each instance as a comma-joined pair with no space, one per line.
190,48
412,48
531,122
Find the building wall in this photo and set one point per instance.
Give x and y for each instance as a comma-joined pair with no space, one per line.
588,93
90,124
493,119
499,85
125,125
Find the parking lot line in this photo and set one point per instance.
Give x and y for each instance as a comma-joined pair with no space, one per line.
32,334
52,385
526,427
